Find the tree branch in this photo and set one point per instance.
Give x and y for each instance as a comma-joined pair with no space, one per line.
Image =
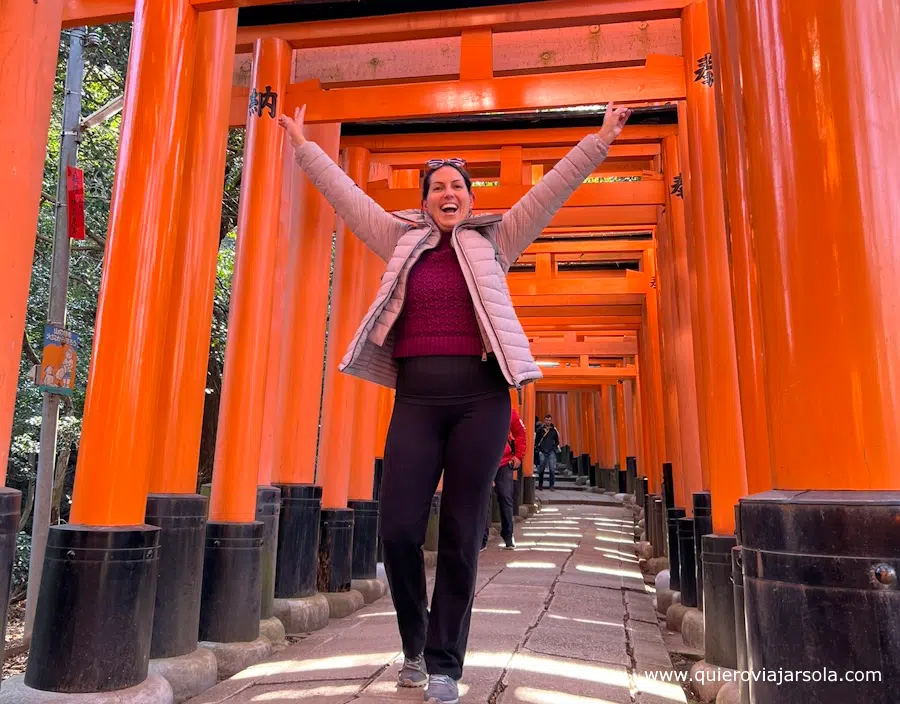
29,351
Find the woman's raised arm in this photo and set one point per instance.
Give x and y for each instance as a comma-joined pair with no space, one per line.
523,223
367,220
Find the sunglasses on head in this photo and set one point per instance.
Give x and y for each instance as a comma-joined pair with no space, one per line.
434,164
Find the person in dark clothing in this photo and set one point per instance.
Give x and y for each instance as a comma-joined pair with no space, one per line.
546,440
504,482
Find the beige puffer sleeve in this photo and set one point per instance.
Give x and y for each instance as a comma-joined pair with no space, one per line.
523,223
378,229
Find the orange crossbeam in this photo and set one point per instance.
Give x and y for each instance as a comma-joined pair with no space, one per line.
492,156
505,197
661,78
614,347
589,373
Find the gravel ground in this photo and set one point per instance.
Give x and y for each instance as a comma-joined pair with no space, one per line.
15,628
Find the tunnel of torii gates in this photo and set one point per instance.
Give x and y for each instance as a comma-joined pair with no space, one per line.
724,322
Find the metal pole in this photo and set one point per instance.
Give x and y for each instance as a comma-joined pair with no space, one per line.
59,284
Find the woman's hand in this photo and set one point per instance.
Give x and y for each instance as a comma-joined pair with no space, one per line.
613,122
294,128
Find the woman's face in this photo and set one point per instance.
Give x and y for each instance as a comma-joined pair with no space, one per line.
448,200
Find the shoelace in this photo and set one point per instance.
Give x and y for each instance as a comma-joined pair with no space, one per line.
441,679
417,664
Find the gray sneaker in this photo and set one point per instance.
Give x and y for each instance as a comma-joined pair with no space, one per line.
413,673
442,689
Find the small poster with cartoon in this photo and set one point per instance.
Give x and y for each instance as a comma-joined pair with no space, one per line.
57,372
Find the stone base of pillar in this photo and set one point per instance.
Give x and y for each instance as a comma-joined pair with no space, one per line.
365,539
708,680
272,629
675,616
371,589
298,541
181,519
231,658
655,565
268,508
343,604
85,642
718,597
189,675
153,690
335,550
644,550
232,593
302,615
661,581
693,631
665,598
730,694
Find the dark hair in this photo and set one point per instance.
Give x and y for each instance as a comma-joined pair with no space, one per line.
548,416
426,182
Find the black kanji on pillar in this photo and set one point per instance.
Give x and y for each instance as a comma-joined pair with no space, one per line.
678,187
704,72
260,101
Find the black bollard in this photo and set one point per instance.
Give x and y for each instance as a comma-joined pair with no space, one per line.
630,475
661,530
335,550
687,562
668,485
365,545
181,519
94,618
821,594
702,526
268,508
592,475
740,628
232,582
376,496
645,490
673,514
528,495
10,507
650,521
298,541
718,595
621,480
585,466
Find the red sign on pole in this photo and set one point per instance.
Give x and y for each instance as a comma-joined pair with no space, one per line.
75,194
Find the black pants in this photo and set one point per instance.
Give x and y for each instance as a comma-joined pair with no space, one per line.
453,415
504,486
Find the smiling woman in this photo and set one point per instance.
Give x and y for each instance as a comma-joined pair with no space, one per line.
444,333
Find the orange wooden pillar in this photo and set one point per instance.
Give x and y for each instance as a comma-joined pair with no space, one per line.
662,433
173,503
29,34
88,584
241,414
365,408
574,431
822,193
621,426
340,398
385,410
175,444
675,275
718,384
744,272
826,249
608,421
306,309
235,499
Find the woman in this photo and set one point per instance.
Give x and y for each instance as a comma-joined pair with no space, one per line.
443,332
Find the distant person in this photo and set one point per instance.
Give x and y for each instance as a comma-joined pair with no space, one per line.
443,332
504,482
547,442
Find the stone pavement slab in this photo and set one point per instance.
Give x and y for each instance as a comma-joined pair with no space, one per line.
563,619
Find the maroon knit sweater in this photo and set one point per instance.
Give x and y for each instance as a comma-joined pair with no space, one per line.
438,317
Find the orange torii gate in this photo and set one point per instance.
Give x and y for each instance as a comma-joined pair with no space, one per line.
722,297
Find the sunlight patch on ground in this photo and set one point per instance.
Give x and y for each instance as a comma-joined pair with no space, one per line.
508,612
298,694
546,543
339,662
532,565
616,555
388,689
588,621
379,613
664,690
570,670
608,570
546,696
554,534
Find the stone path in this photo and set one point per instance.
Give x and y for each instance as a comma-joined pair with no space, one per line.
574,496
565,619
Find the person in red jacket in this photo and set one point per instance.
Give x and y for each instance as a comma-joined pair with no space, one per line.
504,484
